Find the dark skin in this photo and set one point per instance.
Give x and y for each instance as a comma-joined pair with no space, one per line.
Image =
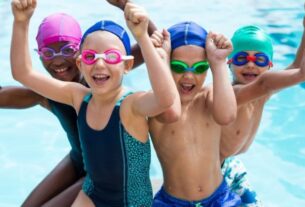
61,186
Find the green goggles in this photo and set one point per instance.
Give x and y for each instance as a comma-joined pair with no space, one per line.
200,67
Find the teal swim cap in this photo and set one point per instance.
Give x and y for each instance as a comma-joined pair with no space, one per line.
252,38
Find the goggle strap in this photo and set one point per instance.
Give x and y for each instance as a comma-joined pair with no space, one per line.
270,64
127,57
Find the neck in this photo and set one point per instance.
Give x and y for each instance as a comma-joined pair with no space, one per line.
107,98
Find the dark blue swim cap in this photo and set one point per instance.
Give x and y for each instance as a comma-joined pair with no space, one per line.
112,27
187,33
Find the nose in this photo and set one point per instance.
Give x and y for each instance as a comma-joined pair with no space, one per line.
188,75
100,63
58,61
251,64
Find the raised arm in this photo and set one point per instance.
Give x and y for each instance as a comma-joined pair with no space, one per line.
270,82
21,63
163,86
14,97
300,52
135,50
221,98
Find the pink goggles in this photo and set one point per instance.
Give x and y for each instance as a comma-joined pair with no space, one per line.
111,56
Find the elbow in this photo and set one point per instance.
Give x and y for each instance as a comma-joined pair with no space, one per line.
173,116
225,119
16,75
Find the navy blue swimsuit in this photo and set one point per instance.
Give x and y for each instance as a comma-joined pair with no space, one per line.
68,120
117,164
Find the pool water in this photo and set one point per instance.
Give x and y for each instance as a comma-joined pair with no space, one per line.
32,141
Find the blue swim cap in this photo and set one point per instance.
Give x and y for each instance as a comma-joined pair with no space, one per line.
252,38
112,27
187,33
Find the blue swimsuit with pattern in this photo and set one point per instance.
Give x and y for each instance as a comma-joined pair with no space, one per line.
117,164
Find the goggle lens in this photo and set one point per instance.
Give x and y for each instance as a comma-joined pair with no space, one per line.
242,58
67,51
111,56
197,68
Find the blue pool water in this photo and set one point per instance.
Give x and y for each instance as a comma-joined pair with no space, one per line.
32,141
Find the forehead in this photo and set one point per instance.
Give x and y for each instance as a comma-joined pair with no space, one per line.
251,52
189,53
57,45
103,40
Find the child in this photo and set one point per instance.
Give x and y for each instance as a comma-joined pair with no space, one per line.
189,148
61,186
253,84
108,132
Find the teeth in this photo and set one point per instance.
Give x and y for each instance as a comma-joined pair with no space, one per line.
60,70
100,76
187,85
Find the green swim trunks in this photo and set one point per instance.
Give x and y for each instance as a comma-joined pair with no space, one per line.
235,175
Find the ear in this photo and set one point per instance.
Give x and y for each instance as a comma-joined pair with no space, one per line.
128,65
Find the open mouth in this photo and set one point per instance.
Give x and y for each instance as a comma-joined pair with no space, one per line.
60,70
100,79
187,88
249,76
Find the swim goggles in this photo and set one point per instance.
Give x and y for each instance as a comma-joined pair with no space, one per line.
111,56
68,50
200,67
242,58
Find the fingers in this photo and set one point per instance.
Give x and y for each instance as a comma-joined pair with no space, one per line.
219,40
135,13
24,4
16,4
166,35
157,39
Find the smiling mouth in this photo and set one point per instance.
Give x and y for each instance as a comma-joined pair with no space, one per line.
100,78
187,88
60,70
249,75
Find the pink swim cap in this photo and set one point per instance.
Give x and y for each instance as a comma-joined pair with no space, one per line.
58,27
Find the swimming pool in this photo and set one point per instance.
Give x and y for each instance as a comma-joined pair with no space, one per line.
32,141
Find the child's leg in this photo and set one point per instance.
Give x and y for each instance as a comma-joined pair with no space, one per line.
235,175
83,200
62,176
67,197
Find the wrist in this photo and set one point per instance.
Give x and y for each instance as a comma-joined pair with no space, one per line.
142,38
217,63
23,22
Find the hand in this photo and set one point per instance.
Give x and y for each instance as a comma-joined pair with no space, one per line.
218,47
162,43
23,9
118,3
136,19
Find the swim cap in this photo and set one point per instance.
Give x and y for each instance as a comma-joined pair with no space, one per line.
112,27
187,33
58,27
252,38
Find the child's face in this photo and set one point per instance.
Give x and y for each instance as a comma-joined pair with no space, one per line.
62,67
189,83
102,77
249,71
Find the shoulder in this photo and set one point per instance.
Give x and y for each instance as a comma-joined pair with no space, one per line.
129,101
